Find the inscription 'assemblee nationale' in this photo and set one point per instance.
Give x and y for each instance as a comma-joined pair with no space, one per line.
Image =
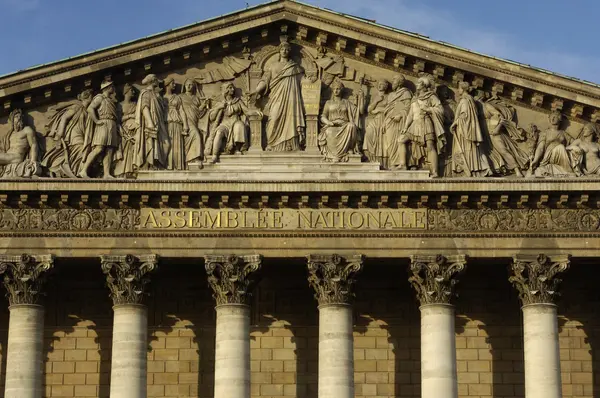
283,219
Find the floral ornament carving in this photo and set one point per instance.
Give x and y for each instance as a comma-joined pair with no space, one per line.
24,277
231,278
434,277
333,277
127,277
535,278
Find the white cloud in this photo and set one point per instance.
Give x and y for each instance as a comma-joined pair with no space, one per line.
445,26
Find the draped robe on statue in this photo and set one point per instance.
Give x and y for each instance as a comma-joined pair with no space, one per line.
425,126
285,109
67,154
398,105
468,155
149,149
337,141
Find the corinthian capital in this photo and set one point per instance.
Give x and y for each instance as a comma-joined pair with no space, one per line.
434,277
535,277
127,276
232,277
24,276
333,277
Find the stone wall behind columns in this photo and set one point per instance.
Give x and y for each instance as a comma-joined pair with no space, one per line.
284,335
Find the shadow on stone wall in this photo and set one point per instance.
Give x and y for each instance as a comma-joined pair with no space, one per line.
490,345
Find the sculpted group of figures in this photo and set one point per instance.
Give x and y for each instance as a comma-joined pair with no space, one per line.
159,128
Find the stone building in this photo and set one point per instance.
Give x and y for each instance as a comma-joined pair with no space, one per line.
298,194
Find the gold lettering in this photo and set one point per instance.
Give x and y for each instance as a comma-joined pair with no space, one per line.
262,219
389,221
278,219
166,216
232,220
375,217
421,219
151,218
304,220
212,222
351,220
321,221
179,219
194,219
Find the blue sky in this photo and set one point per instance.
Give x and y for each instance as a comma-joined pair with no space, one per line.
558,35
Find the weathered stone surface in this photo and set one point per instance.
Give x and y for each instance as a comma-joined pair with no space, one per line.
332,277
434,277
127,276
24,277
232,277
536,278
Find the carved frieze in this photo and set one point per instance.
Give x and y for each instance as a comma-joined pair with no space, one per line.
24,276
536,278
333,277
68,219
434,277
127,276
232,278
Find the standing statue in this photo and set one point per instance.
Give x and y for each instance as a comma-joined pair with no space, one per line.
195,106
398,105
286,124
585,151
375,130
20,157
229,117
102,134
340,117
468,149
503,132
67,128
128,129
424,127
551,158
178,127
152,138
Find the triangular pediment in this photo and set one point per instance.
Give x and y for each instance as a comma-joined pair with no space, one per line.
348,36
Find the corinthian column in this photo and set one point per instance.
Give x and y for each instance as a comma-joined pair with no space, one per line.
231,279
24,277
126,278
535,278
332,277
434,278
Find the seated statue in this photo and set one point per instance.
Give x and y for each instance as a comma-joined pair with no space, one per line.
339,135
551,158
20,156
585,151
230,118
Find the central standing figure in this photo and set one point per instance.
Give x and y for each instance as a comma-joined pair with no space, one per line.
286,122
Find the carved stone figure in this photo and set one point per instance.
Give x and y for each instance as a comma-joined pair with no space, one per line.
21,154
551,157
373,142
585,151
125,166
102,133
152,138
424,127
178,127
339,135
195,106
398,105
67,128
505,154
281,82
468,150
229,117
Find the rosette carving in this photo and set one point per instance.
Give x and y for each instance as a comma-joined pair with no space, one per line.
333,277
24,277
434,277
535,278
232,277
127,277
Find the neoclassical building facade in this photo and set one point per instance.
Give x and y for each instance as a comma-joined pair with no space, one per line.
291,202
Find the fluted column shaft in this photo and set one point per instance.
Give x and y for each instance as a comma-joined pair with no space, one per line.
434,278
126,278
231,279
24,277
536,280
332,278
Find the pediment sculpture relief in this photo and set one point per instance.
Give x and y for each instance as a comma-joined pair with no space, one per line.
296,100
